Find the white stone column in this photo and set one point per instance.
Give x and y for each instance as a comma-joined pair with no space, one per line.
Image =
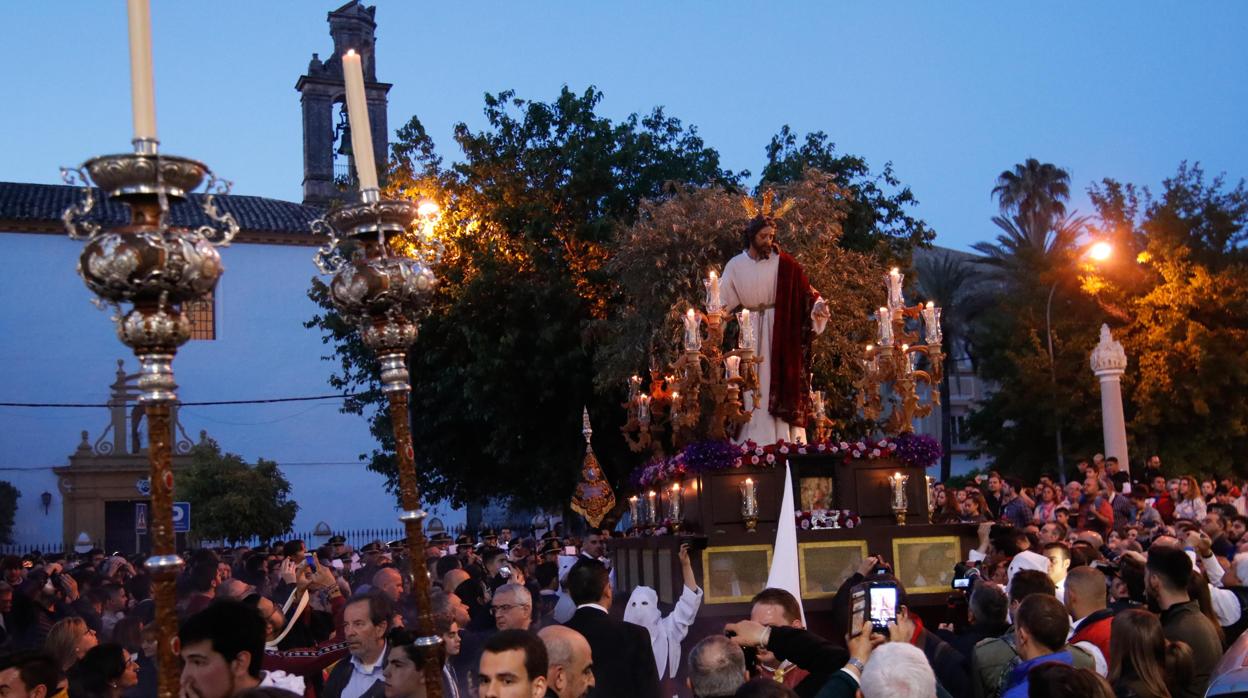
1109,361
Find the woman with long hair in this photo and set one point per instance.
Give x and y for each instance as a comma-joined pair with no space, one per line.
1191,505
975,508
69,640
947,510
1142,664
104,672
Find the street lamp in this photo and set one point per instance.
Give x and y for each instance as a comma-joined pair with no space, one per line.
1098,252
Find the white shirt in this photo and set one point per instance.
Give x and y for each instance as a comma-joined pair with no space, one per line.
363,677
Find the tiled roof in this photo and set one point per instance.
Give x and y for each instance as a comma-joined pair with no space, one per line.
38,208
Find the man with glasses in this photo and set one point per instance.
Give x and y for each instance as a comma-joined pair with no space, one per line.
512,607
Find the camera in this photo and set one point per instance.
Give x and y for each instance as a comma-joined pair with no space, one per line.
964,576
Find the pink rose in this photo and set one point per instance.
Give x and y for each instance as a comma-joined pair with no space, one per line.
801,451
892,447
857,454
754,460
875,453
771,458
784,449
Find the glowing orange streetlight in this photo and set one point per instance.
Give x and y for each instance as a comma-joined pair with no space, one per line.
1100,251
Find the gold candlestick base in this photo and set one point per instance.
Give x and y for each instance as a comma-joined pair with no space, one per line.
900,514
751,523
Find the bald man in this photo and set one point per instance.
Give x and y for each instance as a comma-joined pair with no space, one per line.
1087,604
570,672
453,578
388,581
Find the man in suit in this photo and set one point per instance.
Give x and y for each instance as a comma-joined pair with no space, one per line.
366,620
623,662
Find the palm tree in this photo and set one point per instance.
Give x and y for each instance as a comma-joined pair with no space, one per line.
1026,251
1034,191
945,278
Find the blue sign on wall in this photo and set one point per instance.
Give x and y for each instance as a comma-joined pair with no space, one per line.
181,517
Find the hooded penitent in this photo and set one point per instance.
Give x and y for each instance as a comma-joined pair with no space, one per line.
667,632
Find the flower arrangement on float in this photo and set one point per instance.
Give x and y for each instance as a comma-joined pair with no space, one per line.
918,450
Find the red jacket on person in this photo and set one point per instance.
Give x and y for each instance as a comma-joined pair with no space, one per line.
1095,629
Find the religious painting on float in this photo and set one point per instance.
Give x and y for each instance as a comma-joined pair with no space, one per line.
816,493
825,564
734,574
925,565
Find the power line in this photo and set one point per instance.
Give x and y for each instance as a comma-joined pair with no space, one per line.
210,403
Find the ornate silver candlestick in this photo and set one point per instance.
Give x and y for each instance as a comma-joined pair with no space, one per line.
382,282
154,267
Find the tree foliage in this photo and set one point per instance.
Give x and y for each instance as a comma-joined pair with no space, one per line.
1187,304
9,494
878,217
1175,294
233,500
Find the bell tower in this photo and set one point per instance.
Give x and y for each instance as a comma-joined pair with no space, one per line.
328,168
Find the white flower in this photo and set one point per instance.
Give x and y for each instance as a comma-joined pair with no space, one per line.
875,453
857,453
784,449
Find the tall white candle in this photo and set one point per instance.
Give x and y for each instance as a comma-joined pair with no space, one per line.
357,110
895,299
733,364
142,91
693,336
713,302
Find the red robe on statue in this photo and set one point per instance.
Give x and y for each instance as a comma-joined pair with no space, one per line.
790,344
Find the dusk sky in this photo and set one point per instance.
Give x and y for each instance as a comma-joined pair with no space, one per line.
951,93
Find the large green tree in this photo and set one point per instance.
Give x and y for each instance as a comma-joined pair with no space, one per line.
233,500
1034,275
879,208
1175,293
1183,301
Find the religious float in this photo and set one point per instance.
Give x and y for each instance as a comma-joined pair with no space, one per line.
707,483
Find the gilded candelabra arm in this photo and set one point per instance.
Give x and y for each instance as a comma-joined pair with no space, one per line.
75,216
223,233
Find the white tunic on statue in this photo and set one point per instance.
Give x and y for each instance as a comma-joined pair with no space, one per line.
751,284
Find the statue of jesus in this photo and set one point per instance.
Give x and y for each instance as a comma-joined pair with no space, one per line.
786,312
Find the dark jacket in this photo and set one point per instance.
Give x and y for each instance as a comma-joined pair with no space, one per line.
623,661
808,651
1185,622
340,676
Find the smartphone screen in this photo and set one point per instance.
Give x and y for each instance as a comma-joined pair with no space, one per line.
963,583
883,605
569,550
312,561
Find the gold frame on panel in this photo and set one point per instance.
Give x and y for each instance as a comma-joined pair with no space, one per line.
707,598
801,561
955,541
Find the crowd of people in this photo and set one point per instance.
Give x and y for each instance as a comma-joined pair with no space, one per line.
1103,586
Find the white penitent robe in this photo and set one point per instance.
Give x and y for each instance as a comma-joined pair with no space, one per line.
750,283
666,632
